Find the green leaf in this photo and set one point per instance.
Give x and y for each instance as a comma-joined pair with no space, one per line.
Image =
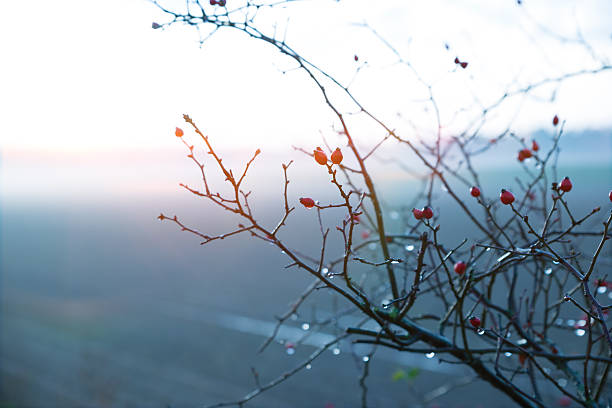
398,375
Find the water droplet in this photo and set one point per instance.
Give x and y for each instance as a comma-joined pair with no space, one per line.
325,271
504,256
559,321
283,252
409,248
547,271
366,359
294,316
509,334
508,354
556,262
430,355
308,366
290,350
305,326
579,332
386,305
480,331
488,249
562,382
520,342
372,246
602,289
580,322
609,295
394,215
395,261
547,370
571,322
336,351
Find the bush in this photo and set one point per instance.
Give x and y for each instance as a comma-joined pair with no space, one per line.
498,301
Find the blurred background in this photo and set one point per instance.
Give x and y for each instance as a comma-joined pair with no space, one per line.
102,305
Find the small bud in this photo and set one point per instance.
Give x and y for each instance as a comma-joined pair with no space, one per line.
475,191
555,120
307,202
475,321
356,57
506,197
464,65
155,26
535,146
336,156
457,60
522,357
179,132
460,268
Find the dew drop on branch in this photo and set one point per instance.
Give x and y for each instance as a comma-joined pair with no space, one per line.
305,326
547,271
409,248
430,355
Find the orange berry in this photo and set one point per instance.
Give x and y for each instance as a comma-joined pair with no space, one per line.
307,202
179,132
320,156
336,156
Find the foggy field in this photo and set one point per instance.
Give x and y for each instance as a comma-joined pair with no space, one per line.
102,305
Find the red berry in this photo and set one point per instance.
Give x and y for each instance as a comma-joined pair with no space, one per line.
460,268
506,197
535,146
524,154
178,132
320,156
457,60
307,202
555,120
464,65
336,156
418,214
213,2
565,185
356,57
427,212
610,195
475,321
475,191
